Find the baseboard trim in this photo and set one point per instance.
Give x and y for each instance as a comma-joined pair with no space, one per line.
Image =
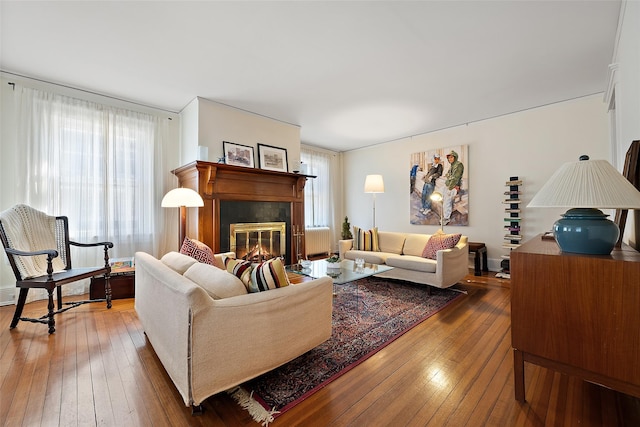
7,296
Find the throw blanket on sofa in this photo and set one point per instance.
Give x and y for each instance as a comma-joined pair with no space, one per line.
30,230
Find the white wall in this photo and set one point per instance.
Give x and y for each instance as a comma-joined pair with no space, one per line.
624,87
216,123
627,93
530,144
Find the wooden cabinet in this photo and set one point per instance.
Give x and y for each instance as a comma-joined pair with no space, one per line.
577,314
122,282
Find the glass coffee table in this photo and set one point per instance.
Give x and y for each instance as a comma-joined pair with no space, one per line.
348,271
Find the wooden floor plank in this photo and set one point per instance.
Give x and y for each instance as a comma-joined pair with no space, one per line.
454,369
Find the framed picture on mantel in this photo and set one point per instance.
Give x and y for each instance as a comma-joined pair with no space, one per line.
272,158
237,154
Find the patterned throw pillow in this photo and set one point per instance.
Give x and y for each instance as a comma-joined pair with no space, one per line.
270,274
240,268
438,242
365,240
197,250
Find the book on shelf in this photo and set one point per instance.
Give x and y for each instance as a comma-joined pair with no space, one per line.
508,210
512,237
513,192
512,228
514,182
510,245
509,201
514,219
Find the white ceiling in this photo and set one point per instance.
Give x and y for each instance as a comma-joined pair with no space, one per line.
350,74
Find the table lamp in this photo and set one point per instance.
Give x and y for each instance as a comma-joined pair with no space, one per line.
182,198
586,186
374,184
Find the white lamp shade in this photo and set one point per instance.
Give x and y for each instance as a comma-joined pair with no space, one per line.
587,184
374,184
182,197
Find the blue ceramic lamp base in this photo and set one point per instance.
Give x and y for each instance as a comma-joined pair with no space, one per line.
586,231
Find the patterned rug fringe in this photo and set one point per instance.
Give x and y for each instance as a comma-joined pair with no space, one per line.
256,410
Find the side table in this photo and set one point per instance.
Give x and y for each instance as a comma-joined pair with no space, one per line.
123,284
480,251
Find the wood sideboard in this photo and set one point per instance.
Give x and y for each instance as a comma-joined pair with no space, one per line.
577,314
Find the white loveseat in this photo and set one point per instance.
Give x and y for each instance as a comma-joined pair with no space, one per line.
211,335
403,252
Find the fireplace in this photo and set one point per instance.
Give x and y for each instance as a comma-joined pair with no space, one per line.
241,195
257,242
247,224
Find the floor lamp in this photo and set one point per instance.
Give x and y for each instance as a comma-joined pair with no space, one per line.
182,198
374,184
437,197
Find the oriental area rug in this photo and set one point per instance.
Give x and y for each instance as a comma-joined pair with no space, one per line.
368,314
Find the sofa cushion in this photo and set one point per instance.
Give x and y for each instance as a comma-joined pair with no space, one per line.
365,240
391,242
368,256
414,263
178,262
218,283
267,275
197,250
240,268
415,244
440,241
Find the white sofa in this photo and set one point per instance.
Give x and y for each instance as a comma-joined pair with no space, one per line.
208,345
403,252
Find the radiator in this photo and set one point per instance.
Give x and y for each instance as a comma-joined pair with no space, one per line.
317,240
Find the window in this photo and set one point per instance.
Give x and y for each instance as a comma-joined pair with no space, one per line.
94,164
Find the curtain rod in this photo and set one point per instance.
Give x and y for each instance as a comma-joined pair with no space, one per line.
85,91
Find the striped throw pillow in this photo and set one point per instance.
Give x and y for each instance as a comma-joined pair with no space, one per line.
365,240
240,268
270,274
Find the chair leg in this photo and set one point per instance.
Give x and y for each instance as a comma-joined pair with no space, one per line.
59,288
51,306
19,306
107,289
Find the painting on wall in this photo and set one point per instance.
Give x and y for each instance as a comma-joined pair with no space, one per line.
441,171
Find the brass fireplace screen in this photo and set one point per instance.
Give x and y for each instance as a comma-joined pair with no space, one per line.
257,242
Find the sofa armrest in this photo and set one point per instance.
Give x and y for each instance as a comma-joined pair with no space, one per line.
344,246
241,337
452,264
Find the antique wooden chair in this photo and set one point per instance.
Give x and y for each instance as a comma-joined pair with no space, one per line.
39,251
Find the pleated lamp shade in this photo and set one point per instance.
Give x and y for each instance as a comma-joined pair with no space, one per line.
587,184
584,187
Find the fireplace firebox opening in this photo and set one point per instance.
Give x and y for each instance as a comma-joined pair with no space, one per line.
258,242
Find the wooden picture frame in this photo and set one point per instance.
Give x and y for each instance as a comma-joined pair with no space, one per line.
238,154
272,158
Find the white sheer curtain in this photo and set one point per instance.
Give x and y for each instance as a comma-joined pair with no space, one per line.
96,164
322,195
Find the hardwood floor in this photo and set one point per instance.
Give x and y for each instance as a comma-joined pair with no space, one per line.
453,369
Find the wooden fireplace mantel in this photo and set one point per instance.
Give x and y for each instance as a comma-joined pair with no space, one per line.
216,182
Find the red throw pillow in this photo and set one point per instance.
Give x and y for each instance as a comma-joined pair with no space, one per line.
438,242
197,250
